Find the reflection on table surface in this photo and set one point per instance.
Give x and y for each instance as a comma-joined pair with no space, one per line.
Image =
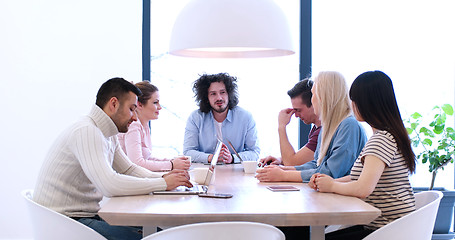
252,201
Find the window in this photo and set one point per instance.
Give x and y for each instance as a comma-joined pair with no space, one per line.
411,41
262,83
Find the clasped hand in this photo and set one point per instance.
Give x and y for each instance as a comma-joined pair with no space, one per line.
225,155
321,182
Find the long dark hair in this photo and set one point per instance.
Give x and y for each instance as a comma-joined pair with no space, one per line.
201,88
373,94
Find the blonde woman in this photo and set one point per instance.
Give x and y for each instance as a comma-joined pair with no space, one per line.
341,138
137,142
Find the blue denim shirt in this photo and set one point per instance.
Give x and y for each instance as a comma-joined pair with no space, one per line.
344,148
239,127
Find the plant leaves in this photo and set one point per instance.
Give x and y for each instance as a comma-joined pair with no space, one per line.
427,141
409,130
427,132
433,141
451,136
416,115
441,119
438,129
447,108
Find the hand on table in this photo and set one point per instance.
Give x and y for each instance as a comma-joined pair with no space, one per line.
181,162
177,178
269,160
271,173
321,182
312,182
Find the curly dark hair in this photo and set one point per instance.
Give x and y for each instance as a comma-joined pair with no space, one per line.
201,88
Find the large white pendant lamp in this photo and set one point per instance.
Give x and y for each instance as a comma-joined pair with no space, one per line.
231,29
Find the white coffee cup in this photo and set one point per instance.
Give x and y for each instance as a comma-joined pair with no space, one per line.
250,166
198,175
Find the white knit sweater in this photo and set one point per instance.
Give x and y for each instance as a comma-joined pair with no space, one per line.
85,163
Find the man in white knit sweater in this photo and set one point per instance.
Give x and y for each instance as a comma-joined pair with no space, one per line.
86,163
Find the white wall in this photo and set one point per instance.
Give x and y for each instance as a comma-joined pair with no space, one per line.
54,55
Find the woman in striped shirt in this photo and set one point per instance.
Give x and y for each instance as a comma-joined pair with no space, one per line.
380,174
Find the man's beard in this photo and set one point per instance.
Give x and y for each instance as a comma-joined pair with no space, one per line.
123,128
220,110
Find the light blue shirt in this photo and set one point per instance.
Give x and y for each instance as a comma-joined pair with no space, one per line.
344,148
239,127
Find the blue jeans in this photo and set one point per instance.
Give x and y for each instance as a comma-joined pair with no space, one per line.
111,232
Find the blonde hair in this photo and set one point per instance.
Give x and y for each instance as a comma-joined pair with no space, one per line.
331,92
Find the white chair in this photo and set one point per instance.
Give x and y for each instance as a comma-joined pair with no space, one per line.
220,231
416,225
51,225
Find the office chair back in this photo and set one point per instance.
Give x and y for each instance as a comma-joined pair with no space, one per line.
417,225
220,231
51,225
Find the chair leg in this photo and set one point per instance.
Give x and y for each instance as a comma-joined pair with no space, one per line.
147,230
317,233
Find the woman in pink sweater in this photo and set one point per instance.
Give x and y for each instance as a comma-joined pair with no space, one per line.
137,142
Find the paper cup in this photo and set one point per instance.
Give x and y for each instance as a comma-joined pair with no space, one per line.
250,166
198,175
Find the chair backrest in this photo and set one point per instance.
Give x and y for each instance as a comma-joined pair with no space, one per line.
50,225
416,225
220,231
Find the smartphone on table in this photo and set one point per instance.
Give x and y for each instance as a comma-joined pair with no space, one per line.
282,188
215,195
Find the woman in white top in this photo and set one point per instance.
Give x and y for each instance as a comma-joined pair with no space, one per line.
137,142
380,174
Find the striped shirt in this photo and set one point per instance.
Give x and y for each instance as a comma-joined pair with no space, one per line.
85,163
393,193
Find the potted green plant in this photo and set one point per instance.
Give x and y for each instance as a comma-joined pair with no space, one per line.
434,144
